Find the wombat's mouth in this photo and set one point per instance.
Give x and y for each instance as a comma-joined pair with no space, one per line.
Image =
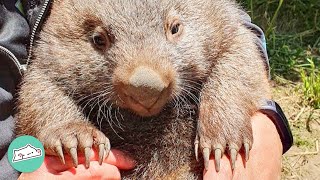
145,105
143,89
141,109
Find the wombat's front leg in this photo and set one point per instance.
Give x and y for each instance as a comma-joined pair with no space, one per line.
46,112
224,123
229,98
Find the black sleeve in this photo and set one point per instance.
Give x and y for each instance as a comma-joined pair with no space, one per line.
14,33
7,85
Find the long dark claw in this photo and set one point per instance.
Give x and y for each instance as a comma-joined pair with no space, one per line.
206,156
246,151
60,154
196,147
101,153
233,155
217,158
74,156
87,153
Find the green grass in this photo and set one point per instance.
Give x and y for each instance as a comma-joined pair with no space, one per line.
301,141
311,83
292,28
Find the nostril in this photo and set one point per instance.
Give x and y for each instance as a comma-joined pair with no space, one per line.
144,90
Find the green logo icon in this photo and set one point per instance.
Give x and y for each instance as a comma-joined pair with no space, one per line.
26,154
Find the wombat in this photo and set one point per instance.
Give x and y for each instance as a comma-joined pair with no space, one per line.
163,80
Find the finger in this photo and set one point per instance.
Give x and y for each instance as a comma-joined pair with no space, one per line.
116,158
39,174
104,171
120,159
54,165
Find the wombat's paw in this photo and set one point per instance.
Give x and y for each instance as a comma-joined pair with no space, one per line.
74,138
217,141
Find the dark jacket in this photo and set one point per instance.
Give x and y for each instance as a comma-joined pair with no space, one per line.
18,29
15,32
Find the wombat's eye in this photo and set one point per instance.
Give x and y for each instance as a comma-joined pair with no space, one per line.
99,40
174,30
102,38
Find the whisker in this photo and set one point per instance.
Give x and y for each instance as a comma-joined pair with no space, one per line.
116,116
191,95
110,113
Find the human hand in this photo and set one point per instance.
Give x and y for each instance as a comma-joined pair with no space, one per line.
264,161
265,155
52,168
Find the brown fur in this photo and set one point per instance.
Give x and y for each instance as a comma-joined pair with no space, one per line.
212,74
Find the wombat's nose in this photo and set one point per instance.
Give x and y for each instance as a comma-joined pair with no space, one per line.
145,86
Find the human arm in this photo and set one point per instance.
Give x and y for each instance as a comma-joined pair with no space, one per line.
265,155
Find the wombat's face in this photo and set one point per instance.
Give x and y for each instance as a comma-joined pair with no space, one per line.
135,54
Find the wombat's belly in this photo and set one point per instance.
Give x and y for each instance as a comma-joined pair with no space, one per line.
163,146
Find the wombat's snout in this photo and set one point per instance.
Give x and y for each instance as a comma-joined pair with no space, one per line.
145,87
145,91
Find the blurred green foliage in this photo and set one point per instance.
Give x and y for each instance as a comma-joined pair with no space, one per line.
292,29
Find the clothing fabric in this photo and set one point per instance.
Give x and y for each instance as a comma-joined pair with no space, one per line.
14,34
